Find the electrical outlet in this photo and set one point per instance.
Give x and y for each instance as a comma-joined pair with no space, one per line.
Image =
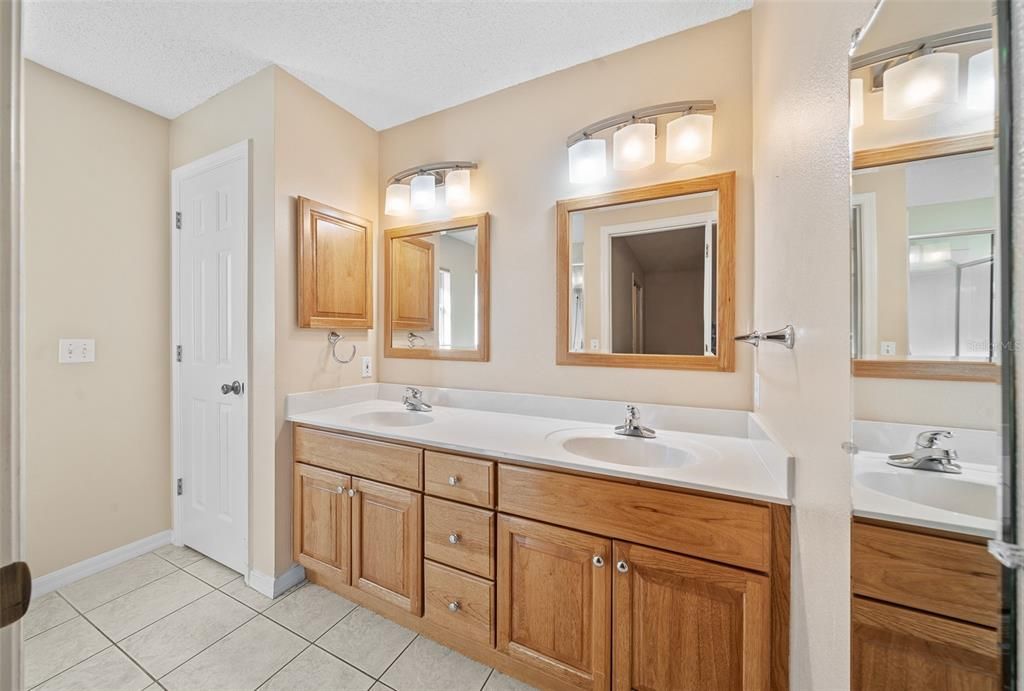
595,344
367,367
73,351
888,347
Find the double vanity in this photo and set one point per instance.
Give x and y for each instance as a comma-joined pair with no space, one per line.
525,533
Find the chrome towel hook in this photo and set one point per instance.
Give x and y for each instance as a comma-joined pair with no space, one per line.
334,338
785,336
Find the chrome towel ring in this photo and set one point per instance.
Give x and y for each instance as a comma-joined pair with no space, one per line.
334,338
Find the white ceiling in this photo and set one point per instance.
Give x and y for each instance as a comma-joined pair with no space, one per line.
385,61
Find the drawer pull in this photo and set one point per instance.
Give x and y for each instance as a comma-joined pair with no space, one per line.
454,606
453,480
598,560
454,538
622,566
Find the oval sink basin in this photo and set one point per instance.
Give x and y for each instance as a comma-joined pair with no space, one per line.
946,492
392,418
646,453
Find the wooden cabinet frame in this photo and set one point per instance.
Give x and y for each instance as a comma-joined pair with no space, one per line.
724,359
483,269
311,315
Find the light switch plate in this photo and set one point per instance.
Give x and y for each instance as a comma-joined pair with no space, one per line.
75,351
367,367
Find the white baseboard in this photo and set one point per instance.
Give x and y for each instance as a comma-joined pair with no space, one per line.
273,587
87,567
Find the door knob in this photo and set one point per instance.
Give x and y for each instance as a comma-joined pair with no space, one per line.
236,387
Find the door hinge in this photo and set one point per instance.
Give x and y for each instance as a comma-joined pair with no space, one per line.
180,488
707,251
1006,553
177,353
177,220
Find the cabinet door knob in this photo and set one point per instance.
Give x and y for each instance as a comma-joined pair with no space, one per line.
453,480
454,606
341,489
454,538
351,493
598,560
622,566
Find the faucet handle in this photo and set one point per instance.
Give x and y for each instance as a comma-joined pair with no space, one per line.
413,392
632,413
930,439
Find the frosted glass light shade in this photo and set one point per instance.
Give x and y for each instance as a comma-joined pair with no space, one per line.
396,199
856,103
588,160
423,193
456,188
921,86
981,82
633,146
689,138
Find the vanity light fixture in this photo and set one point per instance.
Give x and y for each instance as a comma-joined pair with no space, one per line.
921,76
981,81
416,188
689,139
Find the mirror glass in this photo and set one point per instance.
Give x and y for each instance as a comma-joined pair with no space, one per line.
436,284
642,277
924,240
927,309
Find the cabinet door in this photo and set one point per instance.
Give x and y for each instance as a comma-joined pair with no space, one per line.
335,268
322,521
686,624
896,648
387,544
554,600
412,275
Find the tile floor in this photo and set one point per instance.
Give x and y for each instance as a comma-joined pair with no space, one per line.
174,619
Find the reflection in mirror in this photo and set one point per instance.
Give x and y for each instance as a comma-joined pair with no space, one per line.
643,277
437,274
928,308
924,237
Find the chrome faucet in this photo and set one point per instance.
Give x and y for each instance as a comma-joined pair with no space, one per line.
413,400
632,427
928,455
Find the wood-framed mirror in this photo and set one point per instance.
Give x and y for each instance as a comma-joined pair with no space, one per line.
924,241
437,290
646,276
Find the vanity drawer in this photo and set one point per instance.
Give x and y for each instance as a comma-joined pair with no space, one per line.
936,574
473,597
373,460
469,480
473,529
732,532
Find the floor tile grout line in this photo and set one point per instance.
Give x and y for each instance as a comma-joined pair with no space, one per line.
25,639
397,658
82,612
278,671
215,642
489,675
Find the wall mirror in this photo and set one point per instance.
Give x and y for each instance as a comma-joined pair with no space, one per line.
645,276
437,290
929,303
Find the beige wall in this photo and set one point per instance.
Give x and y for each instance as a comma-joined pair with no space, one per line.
324,153
518,137
802,204
246,111
97,436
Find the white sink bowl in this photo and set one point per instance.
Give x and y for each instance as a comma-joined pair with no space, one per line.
392,418
938,490
644,453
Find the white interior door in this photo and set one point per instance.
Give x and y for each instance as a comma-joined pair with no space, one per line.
211,204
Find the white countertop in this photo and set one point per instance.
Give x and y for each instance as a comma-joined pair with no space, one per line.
926,498
731,465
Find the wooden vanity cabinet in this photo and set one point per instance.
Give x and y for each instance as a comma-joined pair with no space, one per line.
682,623
554,600
925,610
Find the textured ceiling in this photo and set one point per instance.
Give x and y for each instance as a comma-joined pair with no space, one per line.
386,62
